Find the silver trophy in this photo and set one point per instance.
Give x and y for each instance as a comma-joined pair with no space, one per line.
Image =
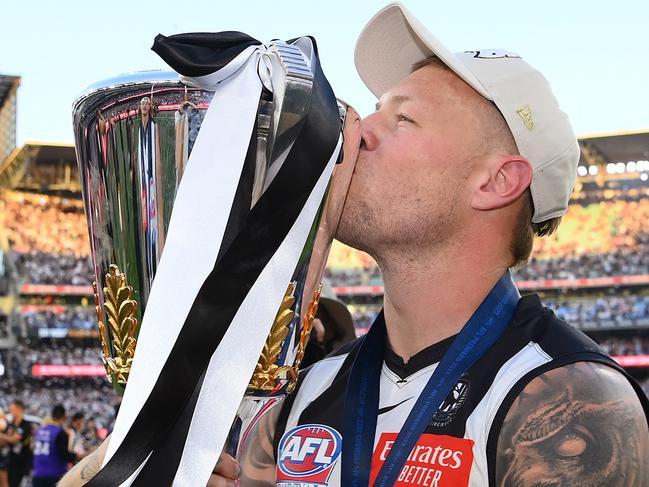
134,138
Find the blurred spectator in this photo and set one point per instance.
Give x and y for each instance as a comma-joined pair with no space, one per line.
332,327
90,436
19,438
4,451
51,450
77,425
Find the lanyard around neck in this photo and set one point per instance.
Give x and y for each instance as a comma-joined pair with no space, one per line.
362,397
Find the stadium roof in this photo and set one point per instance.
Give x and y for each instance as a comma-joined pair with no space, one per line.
615,147
52,151
12,170
7,84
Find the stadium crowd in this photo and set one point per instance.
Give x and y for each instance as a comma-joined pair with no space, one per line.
51,352
586,313
73,317
48,238
616,346
42,268
92,396
49,244
602,311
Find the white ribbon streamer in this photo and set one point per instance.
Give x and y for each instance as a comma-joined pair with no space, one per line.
206,191
233,363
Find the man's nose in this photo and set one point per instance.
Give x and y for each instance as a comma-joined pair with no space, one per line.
369,132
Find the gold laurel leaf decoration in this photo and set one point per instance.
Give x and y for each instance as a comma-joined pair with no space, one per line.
102,332
267,372
120,311
304,337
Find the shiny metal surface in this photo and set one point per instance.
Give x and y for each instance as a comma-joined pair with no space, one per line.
134,135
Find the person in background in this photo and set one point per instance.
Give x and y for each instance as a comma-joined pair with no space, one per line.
4,451
90,436
51,453
333,327
19,438
77,425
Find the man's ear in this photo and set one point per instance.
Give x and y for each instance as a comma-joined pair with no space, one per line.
503,181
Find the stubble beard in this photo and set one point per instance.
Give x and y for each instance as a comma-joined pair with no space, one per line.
392,234
357,221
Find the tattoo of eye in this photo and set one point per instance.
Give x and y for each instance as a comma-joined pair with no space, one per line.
572,441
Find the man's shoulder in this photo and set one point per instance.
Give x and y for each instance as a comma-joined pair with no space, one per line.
558,338
582,423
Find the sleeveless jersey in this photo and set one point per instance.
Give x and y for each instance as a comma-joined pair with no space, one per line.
47,459
458,447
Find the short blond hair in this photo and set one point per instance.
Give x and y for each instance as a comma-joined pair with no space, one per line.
497,135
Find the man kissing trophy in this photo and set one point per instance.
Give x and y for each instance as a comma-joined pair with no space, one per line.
212,195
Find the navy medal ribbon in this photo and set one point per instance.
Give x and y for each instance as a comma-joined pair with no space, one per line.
479,334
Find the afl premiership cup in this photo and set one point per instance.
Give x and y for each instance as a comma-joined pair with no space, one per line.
212,194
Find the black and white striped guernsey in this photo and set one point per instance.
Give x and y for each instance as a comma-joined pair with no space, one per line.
458,447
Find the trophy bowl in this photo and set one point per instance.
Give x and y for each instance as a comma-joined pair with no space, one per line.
135,135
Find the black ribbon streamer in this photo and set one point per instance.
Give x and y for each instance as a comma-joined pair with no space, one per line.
198,53
162,424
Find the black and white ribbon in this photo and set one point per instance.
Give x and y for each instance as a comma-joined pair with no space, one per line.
223,272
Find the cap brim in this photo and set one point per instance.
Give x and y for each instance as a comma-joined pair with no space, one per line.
392,42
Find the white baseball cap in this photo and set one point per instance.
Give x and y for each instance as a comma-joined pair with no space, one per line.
394,40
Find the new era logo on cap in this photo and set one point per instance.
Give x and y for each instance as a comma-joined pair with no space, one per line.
525,112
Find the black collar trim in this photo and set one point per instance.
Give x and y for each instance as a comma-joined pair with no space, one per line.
422,359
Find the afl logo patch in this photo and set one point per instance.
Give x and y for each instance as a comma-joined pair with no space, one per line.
308,453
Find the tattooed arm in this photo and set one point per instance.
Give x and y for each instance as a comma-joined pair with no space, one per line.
578,425
86,468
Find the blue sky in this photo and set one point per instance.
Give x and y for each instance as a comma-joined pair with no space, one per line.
593,52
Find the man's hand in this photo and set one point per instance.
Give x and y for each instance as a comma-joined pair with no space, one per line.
225,473
578,425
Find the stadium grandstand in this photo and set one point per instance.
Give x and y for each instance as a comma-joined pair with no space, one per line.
594,272
48,334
